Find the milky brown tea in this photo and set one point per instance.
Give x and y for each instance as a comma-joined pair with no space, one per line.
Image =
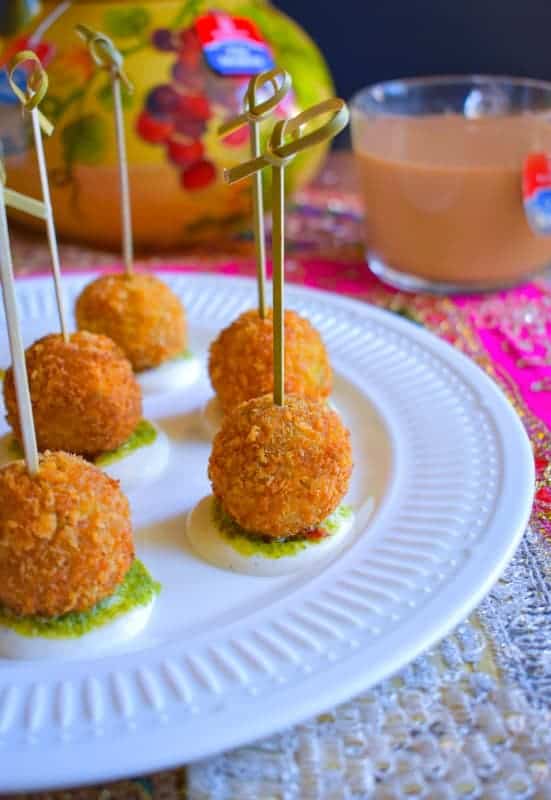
443,195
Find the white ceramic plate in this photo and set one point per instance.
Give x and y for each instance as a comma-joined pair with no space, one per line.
228,658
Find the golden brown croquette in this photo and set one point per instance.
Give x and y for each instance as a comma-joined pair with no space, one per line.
241,360
85,397
280,470
65,536
139,312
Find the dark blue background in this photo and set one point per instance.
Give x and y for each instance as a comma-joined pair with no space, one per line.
370,40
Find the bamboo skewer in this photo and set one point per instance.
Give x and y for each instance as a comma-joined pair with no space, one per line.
278,278
258,223
22,392
21,202
299,141
126,208
50,224
286,141
37,85
107,57
253,114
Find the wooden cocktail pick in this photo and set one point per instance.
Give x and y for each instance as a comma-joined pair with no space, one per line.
287,140
107,57
255,112
30,98
23,396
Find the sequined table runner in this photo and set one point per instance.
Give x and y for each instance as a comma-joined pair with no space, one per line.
472,717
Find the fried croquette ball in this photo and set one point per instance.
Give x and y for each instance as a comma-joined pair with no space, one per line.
241,360
85,397
280,470
65,536
139,312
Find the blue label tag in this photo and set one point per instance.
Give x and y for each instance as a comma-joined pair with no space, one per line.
238,58
536,192
538,211
233,45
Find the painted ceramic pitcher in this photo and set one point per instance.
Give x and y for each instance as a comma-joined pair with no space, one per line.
175,157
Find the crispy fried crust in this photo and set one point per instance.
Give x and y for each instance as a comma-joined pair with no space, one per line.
85,397
280,471
65,536
139,312
241,360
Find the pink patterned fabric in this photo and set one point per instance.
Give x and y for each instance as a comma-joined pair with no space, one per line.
515,329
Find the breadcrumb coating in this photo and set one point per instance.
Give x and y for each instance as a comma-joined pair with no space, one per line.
241,360
139,312
65,536
85,397
281,470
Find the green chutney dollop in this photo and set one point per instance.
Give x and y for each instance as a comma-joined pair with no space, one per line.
251,544
137,589
185,355
144,434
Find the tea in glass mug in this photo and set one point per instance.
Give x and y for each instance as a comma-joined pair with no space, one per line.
441,163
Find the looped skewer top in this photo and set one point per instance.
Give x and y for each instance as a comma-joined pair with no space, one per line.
279,152
276,140
280,82
104,53
253,114
287,140
37,86
107,57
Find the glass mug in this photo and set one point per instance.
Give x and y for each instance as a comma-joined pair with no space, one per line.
440,162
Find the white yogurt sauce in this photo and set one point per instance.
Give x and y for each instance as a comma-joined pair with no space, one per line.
212,546
172,376
99,640
143,465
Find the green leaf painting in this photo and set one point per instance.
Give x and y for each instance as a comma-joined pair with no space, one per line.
84,139
52,107
105,96
126,22
187,13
